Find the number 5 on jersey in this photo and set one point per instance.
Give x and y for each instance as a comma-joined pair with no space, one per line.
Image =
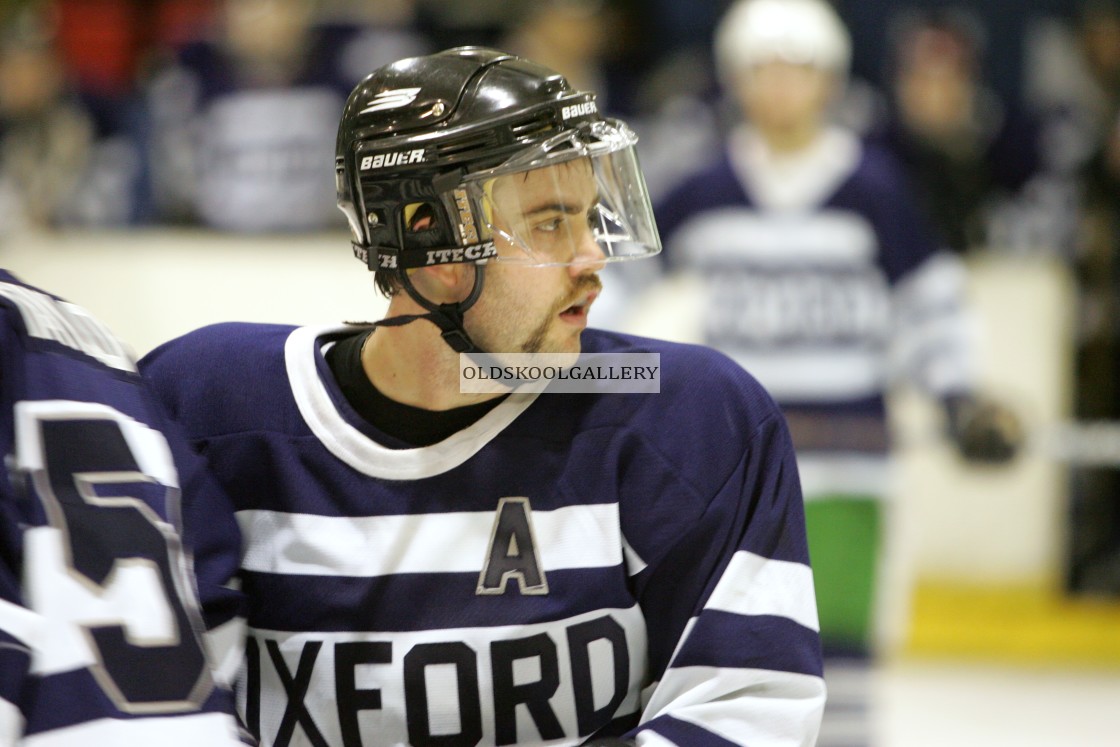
104,565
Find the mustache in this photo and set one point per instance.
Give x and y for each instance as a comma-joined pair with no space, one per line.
583,285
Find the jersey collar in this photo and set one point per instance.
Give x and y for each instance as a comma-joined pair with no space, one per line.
361,452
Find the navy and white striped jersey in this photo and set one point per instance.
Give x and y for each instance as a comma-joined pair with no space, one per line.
568,565
101,636
820,276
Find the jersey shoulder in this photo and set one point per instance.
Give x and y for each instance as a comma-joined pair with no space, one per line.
713,186
881,189
879,171
688,371
222,377
705,397
711,443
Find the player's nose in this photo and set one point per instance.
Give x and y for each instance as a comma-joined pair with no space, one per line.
589,255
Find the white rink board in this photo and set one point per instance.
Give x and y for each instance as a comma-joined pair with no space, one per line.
953,521
149,286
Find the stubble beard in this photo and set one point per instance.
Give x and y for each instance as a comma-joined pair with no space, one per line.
535,342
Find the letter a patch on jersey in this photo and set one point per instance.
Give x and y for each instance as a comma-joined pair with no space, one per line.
512,553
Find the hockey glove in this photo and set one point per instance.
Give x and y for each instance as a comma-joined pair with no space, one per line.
984,431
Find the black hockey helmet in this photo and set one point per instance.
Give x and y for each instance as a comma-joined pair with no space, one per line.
423,141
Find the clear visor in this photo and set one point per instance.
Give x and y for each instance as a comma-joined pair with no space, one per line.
576,198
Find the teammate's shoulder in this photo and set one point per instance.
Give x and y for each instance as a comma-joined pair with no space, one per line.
8,277
15,285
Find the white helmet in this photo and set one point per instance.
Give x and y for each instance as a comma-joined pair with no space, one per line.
799,31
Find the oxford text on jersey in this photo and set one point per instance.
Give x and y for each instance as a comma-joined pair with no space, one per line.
556,685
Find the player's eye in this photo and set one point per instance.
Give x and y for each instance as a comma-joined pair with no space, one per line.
551,224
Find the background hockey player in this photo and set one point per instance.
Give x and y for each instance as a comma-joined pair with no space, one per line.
428,567
813,268
101,635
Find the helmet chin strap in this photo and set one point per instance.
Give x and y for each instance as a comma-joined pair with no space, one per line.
447,316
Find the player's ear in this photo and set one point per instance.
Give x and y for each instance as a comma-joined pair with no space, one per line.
446,283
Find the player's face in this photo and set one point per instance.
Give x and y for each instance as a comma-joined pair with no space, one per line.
782,97
534,309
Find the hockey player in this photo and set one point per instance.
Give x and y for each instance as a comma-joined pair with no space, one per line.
812,261
101,635
428,567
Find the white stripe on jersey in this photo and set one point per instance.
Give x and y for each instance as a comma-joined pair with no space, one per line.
362,453
571,537
938,282
225,646
936,337
387,725
11,723
754,585
650,739
756,707
830,238
68,324
210,729
21,623
814,374
634,562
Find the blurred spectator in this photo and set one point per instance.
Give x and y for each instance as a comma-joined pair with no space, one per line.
965,149
593,43
1094,565
244,123
452,23
56,166
104,42
387,30
107,45
1074,81
570,36
1095,539
809,262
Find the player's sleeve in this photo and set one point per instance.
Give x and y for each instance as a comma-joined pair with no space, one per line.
743,667
213,541
19,629
19,626
934,332
932,335
210,529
